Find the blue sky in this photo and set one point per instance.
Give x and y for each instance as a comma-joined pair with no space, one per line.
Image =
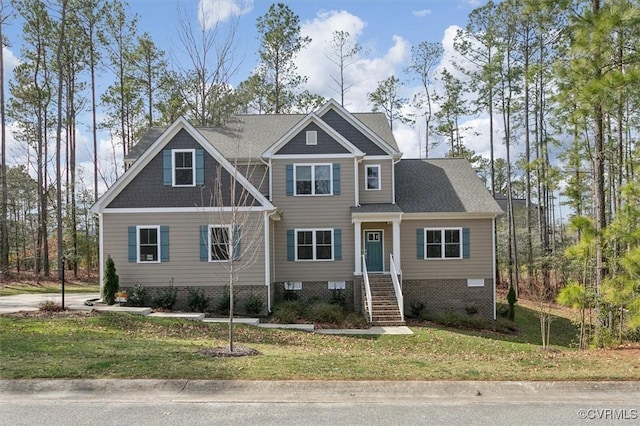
385,28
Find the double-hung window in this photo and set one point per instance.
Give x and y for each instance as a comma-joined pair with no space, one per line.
313,179
443,243
314,244
184,171
372,177
219,243
148,243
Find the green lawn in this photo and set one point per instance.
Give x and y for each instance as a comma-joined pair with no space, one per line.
128,346
31,287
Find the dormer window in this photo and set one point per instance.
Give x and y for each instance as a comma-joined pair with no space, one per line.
184,172
312,137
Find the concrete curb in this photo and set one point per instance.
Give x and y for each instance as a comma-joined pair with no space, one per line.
317,391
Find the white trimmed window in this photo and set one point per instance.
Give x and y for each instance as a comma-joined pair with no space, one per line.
148,244
314,244
443,243
372,177
219,243
313,179
183,165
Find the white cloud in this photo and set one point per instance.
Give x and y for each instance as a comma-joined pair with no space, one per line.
212,12
421,13
362,76
11,61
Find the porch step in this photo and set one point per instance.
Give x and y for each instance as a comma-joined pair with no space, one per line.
384,304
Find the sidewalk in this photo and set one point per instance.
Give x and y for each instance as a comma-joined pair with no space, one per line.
31,302
318,391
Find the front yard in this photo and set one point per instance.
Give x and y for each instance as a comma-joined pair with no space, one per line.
126,346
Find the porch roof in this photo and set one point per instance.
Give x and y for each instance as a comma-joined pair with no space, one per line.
376,208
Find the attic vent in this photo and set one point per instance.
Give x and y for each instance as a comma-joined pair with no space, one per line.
312,137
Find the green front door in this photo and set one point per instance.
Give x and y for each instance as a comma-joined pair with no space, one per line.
373,250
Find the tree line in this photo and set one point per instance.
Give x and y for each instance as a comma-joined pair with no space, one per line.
554,79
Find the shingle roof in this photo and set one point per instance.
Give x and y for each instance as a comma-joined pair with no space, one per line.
248,136
446,185
376,208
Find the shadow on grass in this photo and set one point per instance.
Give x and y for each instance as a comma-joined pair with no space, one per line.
564,333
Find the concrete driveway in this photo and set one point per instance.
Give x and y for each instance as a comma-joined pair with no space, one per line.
31,302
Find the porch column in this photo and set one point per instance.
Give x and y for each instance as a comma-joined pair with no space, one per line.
396,243
357,244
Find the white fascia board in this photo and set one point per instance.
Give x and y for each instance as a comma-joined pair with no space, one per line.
311,118
310,156
154,210
332,104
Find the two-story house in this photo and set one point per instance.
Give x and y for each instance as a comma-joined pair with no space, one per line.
311,204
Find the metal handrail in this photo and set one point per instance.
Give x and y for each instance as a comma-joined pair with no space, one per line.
396,285
367,288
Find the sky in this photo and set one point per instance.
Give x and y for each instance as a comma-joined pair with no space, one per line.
386,29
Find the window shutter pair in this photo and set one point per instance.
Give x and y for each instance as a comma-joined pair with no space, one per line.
291,245
466,243
133,244
204,243
167,167
290,183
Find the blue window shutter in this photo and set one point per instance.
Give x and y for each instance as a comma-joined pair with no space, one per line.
199,166
164,243
420,243
466,243
133,255
237,238
289,169
336,179
291,245
337,244
204,242
166,167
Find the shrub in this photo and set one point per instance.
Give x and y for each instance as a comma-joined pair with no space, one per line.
338,297
166,297
471,310
138,295
355,320
288,311
254,304
111,282
196,300
50,306
325,312
290,295
511,300
418,309
224,304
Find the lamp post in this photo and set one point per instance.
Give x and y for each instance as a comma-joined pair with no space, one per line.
62,260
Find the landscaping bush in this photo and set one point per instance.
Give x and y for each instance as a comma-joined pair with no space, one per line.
50,306
223,305
338,297
355,320
417,310
138,295
196,300
254,304
471,310
288,311
166,297
290,295
325,312
111,282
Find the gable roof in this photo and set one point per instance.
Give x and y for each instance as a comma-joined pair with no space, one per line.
156,146
444,185
246,137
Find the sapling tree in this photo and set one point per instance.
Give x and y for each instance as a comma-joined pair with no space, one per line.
111,282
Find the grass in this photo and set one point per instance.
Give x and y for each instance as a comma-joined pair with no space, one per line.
111,345
47,286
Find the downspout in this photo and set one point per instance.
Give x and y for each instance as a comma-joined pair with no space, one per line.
356,180
101,252
267,254
493,234
393,179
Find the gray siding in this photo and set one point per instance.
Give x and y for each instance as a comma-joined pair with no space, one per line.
385,194
326,144
147,188
478,265
352,134
313,212
184,264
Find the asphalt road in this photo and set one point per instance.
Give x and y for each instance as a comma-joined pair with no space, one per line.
177,402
